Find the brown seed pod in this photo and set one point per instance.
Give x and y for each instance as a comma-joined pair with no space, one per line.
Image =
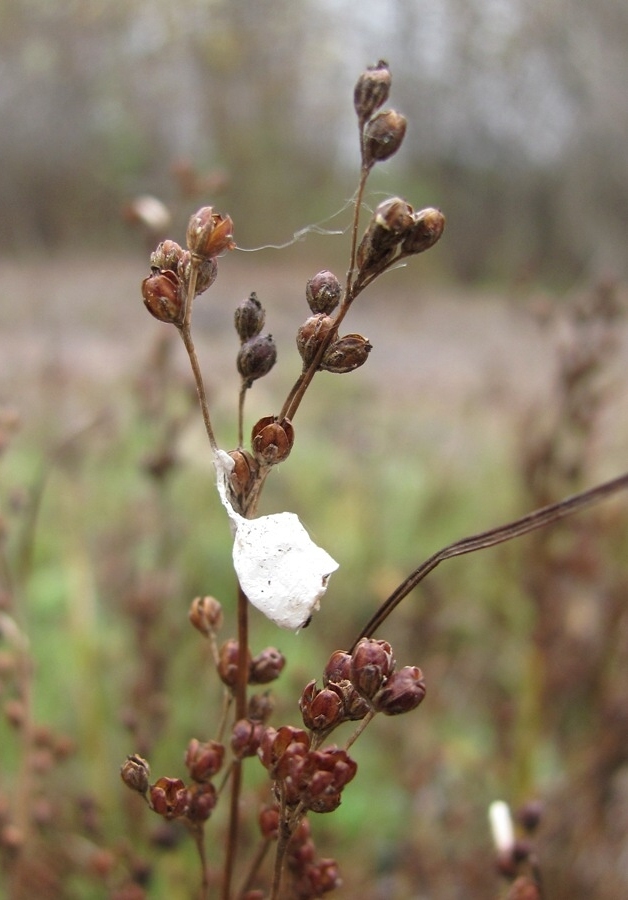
371,91
166,256
256,358
427,227
209,233
164,296
249,317
272,440
403,691
243,476
346,354
390,223
323,292
311,334
206,272
383,136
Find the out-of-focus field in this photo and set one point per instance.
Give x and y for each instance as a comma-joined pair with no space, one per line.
425,444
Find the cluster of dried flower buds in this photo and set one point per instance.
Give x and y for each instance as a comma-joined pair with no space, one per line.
261,669
258,352
165,290
172,798
394,232
354,684
316,337
383,131
305,777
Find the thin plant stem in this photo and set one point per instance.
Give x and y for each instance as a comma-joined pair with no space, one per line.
361,726
186,336
241,398
256,863
198,833
546,515
299,388
240,713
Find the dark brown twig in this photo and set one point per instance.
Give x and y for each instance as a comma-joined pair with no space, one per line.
530,522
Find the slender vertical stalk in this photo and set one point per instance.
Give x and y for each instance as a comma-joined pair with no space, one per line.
236,772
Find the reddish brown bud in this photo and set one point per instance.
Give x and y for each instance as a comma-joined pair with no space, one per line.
338,667
261,707
324,876
266,666
275,742
272,440
403,691
371,91
256,358
164,296
269,822
243,476
135,772
246,737
168,797
201,801
206,615
209,233
323,292
203,760
389,224
530,815
346,354
321,709
427,228
249,317
228,657
382,136
166,256
320,776
206,272
311,335
372,662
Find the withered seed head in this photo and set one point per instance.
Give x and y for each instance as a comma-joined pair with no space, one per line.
266,666
206,615
246,736
272,440
346,354
383,136
389,225
371,91
260,707
426,229
321,709
168,797
228,659
166,256
372,663
310,336
243,476
256,358
135,772
201,801
403,691
206,272
249,317
209,233
323,292
203,759
164,296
